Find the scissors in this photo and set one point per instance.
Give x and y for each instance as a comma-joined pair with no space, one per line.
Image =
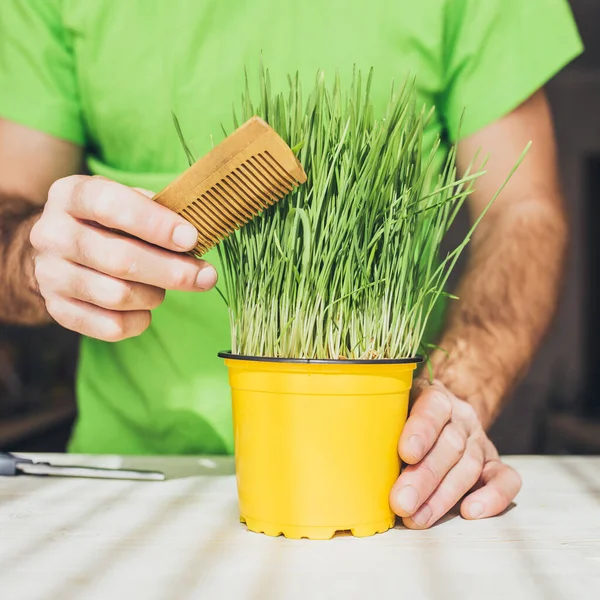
11,465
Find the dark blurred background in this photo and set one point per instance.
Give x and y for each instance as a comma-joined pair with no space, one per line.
556,409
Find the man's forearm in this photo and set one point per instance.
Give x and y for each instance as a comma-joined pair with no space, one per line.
507,298
20,301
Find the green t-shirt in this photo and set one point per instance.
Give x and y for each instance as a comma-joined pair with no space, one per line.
106,74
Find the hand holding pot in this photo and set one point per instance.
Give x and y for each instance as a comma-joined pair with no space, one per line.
99,282
449,456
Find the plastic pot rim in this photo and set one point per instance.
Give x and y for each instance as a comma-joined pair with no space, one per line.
318,361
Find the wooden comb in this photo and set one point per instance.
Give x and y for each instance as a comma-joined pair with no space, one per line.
246,173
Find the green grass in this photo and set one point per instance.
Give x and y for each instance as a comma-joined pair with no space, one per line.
348,265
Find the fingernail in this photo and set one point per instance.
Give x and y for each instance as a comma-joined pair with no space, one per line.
476,510
206,279
422,516
416,446
185,236
408,497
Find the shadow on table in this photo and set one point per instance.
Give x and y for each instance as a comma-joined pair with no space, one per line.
97,562
580,477
453,514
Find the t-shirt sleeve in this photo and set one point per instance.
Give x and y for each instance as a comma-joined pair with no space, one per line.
497,53
38,86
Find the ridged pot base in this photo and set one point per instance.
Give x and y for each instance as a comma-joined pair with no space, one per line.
315,533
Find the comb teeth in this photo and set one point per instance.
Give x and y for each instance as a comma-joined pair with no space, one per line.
249,189
245,174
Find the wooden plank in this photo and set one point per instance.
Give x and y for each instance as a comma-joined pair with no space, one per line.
181,539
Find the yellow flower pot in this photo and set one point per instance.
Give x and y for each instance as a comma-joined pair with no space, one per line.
316,443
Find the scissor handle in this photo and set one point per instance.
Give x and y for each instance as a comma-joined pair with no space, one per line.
9,462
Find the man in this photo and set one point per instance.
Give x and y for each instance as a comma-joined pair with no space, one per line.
88,86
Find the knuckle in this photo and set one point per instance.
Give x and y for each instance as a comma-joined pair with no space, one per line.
443,402
127,325
455,438
81,289
42,235
445,497
156,298
112,333
145,320
182,277
49,274
60,311
51,234
479,436
466,412
55,308
503,496
470,412
114,329
439,404
472,463
76,323
429,471
119,294
81,248
156,224
103,198
62,189
36,234
120,263
135,323
39,269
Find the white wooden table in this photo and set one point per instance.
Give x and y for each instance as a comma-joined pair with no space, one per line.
69,539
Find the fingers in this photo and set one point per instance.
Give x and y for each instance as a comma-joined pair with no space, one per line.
126,209
417,482
146,192
101,283
123,258
429,415
457,482
501,484
96,322
63,278
448,454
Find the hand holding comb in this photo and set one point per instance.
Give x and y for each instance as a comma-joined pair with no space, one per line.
246,173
